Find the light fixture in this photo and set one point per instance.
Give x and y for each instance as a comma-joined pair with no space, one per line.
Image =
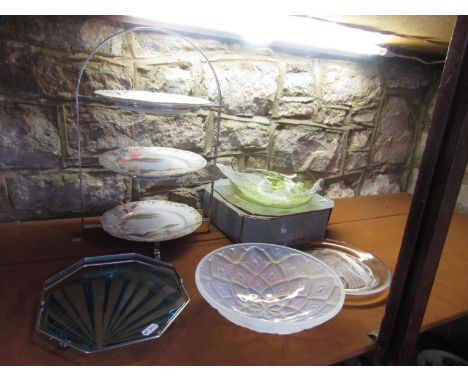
328,37
296,32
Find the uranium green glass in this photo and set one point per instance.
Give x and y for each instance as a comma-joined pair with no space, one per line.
111,301
269,181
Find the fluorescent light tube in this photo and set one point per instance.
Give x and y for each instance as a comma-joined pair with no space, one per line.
298,32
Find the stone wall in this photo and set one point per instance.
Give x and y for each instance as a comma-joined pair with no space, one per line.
421,138
353,122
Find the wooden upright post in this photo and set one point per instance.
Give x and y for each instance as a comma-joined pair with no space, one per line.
440,176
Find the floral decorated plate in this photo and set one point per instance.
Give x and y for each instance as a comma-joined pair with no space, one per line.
152,162
151,220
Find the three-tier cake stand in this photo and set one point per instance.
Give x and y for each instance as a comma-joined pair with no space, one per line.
150,220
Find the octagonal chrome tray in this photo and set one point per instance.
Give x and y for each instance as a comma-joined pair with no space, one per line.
151,220
106,302
152,162
361,272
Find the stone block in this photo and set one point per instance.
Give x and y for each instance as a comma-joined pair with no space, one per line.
338,190
148,44
297,107
237,135
173,78
350,83
359,139
299,80
98,75
248,87
312,150
65,33
356,160
378,184
330,116
405,76
92,32
395,137
58,191
364,117
16,61
105,128
190,196
31,70
28,136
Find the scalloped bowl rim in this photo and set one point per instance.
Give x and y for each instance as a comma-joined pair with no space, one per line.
260,324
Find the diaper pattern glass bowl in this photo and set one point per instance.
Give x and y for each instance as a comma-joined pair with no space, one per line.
269,288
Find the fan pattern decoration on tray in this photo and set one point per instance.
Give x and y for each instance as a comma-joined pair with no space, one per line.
104,306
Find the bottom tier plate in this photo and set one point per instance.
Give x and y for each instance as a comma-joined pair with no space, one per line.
151,220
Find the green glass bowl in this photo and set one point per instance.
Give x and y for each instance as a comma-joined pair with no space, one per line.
274,182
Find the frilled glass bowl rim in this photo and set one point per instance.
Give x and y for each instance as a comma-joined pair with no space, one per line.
295,200
304,175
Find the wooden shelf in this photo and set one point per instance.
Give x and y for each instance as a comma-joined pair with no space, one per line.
34,251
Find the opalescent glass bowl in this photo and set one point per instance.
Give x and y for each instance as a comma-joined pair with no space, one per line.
269,288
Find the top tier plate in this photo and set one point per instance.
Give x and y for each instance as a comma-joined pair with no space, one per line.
153,102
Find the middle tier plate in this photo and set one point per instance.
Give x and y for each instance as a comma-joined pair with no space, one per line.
152,162
151,220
